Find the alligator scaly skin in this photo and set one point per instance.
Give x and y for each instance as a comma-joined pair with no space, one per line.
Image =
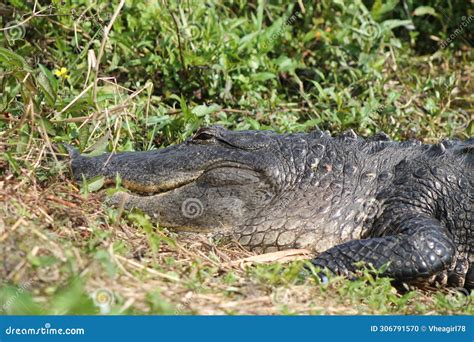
348,199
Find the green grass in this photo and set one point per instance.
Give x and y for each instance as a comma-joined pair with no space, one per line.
167,69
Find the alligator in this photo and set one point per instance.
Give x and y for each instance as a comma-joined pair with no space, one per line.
403,207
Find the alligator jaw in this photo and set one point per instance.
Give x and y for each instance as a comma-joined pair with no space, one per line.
175,180
162,187
130,201
178,209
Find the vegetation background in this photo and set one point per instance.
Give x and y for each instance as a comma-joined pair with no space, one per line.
138,75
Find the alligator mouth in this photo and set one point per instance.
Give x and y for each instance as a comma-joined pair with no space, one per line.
152,189
155,189
223,164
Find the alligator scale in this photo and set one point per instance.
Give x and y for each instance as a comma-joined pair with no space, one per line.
348,199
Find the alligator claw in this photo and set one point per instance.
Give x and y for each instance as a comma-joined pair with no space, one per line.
324,280
322,276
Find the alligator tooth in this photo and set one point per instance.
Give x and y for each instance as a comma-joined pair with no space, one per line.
379,136
410,143
382,136
316,133
448,143
438,148
349,134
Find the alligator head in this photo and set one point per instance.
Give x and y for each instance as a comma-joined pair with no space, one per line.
215,180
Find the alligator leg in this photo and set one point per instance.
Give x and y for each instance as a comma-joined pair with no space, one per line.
419,247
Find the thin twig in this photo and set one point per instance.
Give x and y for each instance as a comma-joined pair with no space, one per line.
102,48
180,48
75,99
34,14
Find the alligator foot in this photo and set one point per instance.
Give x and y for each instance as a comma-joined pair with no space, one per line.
420,248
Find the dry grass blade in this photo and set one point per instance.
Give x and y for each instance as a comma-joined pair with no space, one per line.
280,256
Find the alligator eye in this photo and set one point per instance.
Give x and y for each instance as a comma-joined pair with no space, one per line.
203,134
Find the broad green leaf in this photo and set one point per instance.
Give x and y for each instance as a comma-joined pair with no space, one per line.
12,162
379,8
73,299
47,126
53,81
322,92
204,110
425,10
286,64
95,183
260,9
254,124
17,300
100,146
262,76
9,58
46,88
394,23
